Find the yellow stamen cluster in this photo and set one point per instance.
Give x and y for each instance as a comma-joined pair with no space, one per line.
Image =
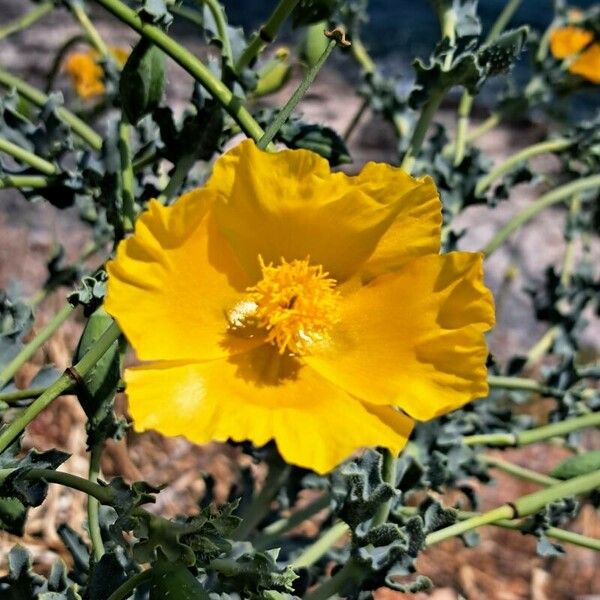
296,303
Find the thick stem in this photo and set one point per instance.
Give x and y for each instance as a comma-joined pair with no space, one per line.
510,163
286,111
553,197
541,347
32,346
218,15
350,572
569,258
93,506
35,96
522,384
127,177
466,101
190,63
91,32
272,533
266,34
18,395
103,494
59,57
462,126
427,114
43,8
9,433
364,105
24,181
561,535
316,550
29,158
362,57
278,473
532,436
518,471
126,589
389,476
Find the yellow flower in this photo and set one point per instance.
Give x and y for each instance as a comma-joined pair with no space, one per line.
85,72
577,45
285,302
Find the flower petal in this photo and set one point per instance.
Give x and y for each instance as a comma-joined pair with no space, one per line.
314,424
171,282
417,226
414,338
289,205
588,64
566,41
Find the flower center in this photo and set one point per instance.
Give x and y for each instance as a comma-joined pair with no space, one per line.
296,303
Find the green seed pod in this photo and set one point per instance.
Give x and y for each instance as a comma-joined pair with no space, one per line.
314,43
175,582
273,75
582,464
142,81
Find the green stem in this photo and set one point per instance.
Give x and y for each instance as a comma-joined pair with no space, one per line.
270,535
532,436
418,136
316,550
266,34
24,181
462,126
261,504
484,127
127,177
177,177
553,197
509,164
466,101
126,589
569,258
18,395
7,373
541,346
503,19
388,471
63,383
91,32
518,471
35,96
362,57
59,57
29,158
190,14
561,535
521,507
522,384
103,494
350,572
364,105
190,63
218,15
27,19
283,115
93,506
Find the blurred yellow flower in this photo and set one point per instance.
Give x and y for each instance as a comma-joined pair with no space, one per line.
285,302
85,72
578,46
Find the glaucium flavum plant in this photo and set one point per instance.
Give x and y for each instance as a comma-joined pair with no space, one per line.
285,302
